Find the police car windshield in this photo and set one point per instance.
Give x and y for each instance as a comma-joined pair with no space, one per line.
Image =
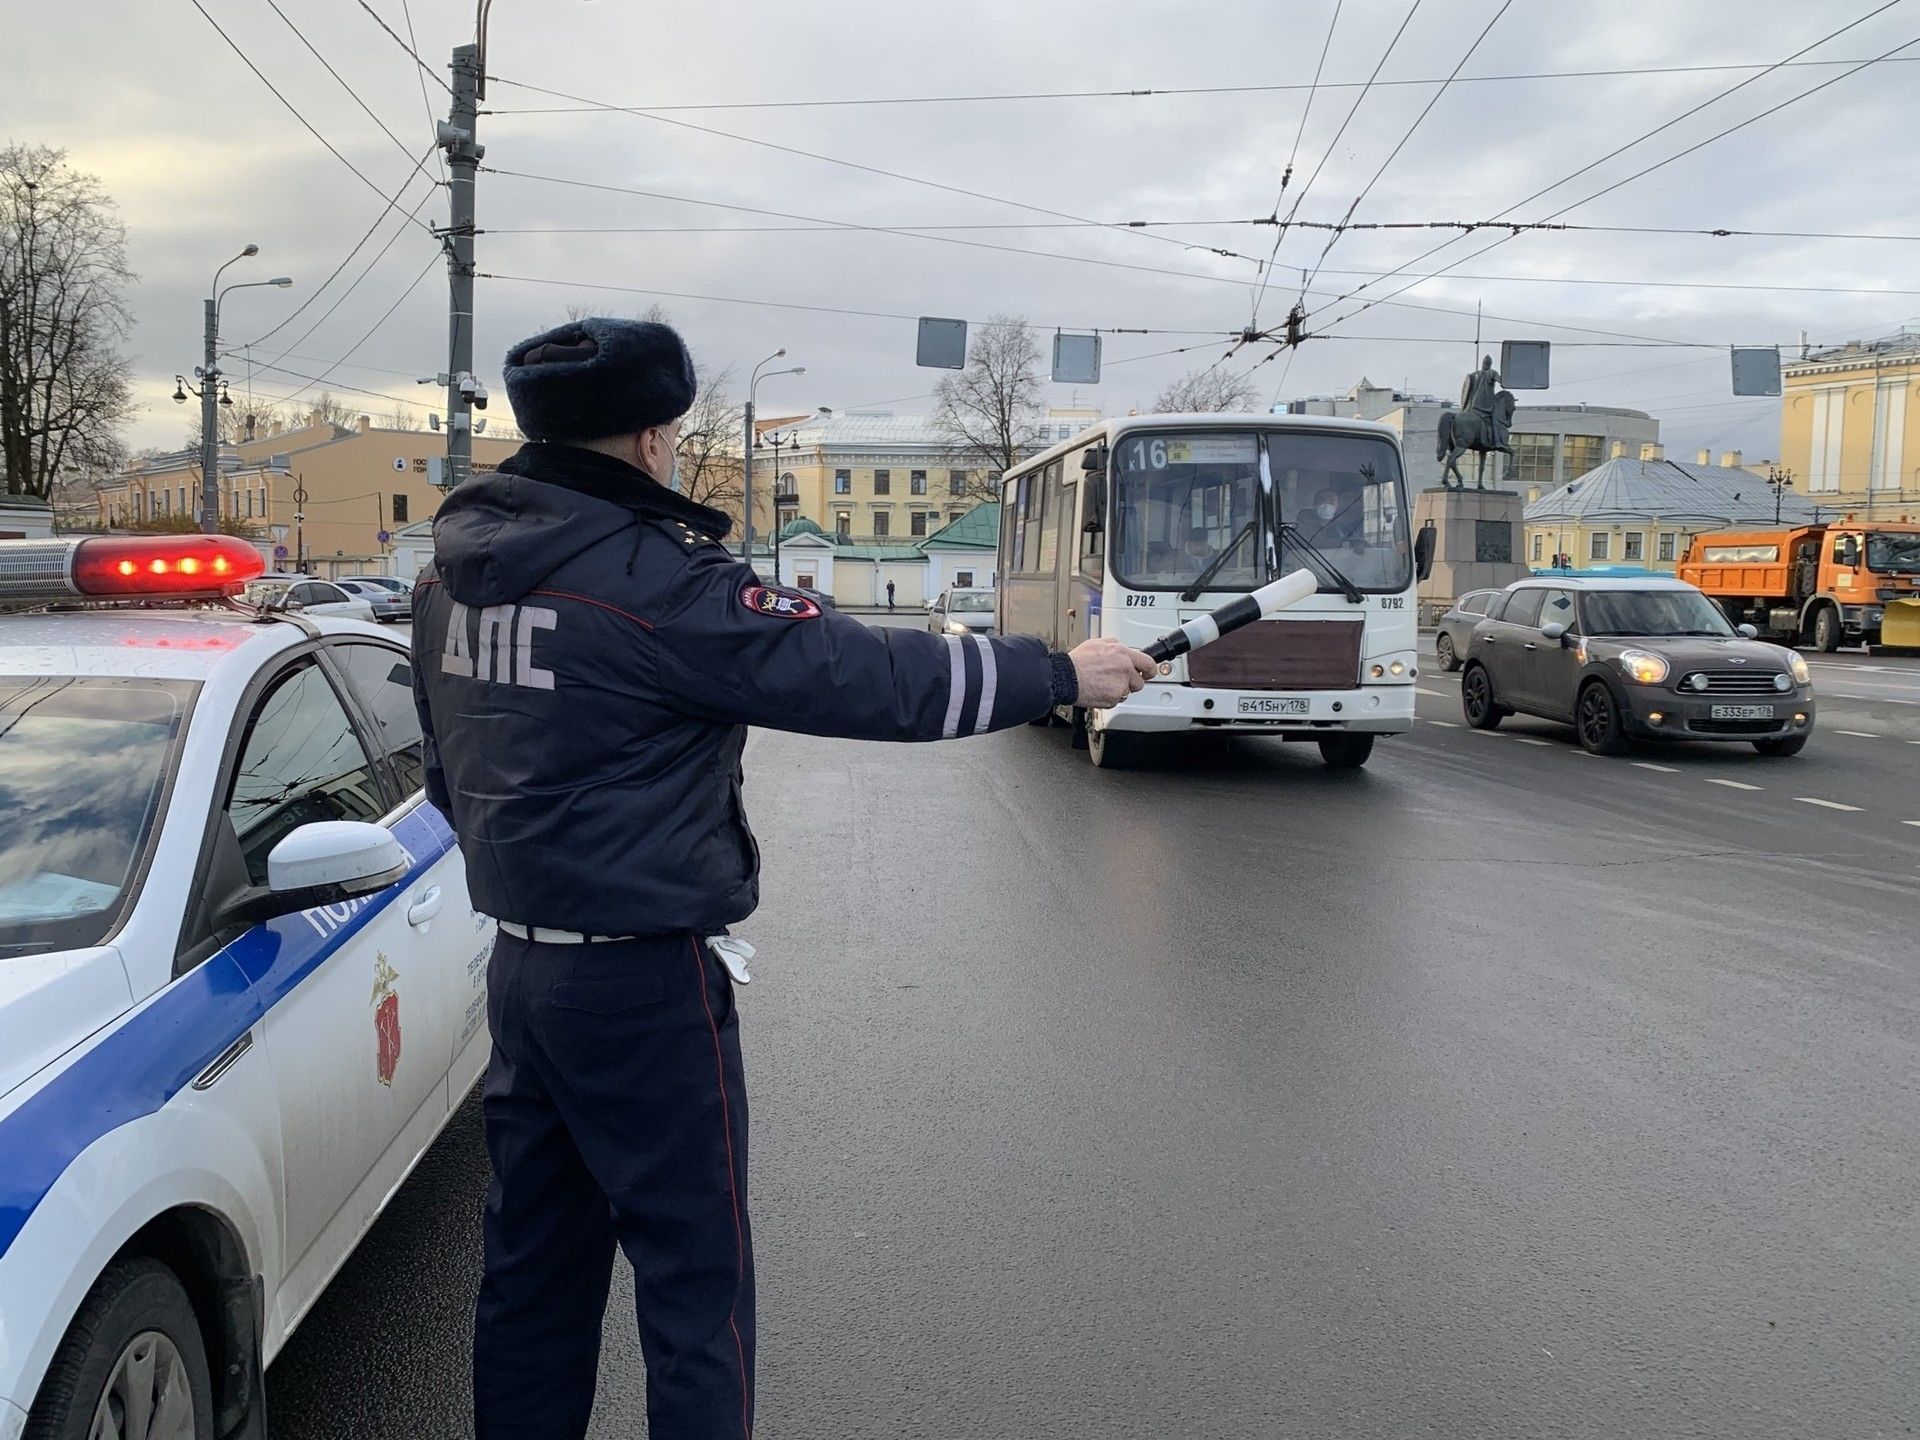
83,765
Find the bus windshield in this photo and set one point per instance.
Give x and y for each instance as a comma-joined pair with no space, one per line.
1187,501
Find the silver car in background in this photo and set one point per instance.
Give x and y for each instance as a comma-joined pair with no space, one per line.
1456,626
961,612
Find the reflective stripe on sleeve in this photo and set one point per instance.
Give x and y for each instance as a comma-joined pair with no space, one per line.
956,688
989,679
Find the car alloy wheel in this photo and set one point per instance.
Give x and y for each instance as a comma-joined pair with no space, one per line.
1476,699
1599,722
1443,647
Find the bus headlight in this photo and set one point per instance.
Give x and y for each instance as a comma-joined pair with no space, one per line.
1643,666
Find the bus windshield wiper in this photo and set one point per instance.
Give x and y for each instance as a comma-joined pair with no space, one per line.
1290,531
1192,592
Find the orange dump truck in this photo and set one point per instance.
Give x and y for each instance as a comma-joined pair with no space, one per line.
1816,585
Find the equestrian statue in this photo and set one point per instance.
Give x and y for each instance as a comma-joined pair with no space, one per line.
1481,424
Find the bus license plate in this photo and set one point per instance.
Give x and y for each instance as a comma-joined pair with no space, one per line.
1743,712
1273,705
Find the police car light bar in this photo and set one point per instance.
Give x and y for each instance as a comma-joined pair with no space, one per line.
113,567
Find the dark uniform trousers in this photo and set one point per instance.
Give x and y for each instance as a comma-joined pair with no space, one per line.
616,1114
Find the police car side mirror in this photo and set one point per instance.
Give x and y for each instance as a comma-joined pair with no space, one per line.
325,862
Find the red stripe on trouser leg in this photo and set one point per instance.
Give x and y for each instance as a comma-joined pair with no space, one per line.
733,1187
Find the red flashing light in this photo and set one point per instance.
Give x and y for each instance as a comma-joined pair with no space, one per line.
175,566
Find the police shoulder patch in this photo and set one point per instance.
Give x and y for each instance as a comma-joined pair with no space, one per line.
779,604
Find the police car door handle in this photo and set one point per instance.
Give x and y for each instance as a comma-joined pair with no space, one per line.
425,906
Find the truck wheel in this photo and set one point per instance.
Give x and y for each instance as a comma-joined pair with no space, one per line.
1346,752
1783,745
132,1364
1597,719
1476,700
1443,646
1826,630
1114,749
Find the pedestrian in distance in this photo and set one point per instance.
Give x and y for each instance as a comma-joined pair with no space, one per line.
588,655
889,597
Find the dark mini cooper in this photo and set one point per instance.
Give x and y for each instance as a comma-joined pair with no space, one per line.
1633,659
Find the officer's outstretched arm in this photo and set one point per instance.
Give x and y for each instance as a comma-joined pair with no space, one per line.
732,649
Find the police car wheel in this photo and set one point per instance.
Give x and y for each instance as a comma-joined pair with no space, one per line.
132,1366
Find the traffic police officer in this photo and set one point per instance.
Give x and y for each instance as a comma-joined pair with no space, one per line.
588,655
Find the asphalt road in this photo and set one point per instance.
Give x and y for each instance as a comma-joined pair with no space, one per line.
1495,1090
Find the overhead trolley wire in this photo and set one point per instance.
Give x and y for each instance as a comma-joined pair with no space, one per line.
1286,175
867,169
413,50
1638,174
1648,135
300,35
293,111
1616,72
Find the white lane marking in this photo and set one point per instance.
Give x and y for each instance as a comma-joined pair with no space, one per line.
1910,822
1450,725
1827,804
1730,784
1529,740
1858,734
1436,694
1649,765
1583,754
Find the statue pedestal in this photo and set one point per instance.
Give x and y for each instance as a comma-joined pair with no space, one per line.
1478,542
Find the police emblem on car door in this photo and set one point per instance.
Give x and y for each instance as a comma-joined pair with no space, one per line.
386,1019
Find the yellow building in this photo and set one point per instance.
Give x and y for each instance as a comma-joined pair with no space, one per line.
878,479
1850,426
360,482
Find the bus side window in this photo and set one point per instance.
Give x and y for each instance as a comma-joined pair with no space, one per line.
1019,535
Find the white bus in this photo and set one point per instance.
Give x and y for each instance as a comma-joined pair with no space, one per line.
1138,524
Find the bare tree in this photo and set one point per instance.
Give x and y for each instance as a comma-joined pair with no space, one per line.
403,417
64,388
1202,392
988,415
710,443
243,421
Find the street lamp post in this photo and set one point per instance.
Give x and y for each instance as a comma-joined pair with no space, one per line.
213,389
784,500
1779,481
747,449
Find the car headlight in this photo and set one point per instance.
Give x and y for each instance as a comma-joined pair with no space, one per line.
1797,664
954,627
1643,666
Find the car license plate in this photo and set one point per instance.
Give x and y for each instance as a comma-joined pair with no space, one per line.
1743,712
1273,705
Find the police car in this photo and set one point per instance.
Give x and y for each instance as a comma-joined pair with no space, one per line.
241,985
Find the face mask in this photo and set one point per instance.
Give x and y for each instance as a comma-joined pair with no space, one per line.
1325,512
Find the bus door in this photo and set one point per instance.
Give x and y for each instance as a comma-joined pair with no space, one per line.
1069,605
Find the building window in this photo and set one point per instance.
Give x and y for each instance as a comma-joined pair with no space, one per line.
883,482
1599,546
1636,545
399,509
263,501
1667,539
882,522
843,482
843,525
920,522
1539,548
1582,453
963,579
1532,459
917,482
956,482
953,515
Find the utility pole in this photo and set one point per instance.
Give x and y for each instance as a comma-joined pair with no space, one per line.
457,138
210,419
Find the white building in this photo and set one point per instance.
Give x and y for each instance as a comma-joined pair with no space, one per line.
1552,444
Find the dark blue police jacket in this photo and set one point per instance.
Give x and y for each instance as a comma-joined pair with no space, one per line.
587,655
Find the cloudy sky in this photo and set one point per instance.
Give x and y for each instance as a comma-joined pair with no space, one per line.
202,158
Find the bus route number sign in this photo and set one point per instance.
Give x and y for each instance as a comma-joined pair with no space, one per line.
1159,454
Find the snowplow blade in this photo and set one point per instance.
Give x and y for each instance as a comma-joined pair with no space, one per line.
1900,625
